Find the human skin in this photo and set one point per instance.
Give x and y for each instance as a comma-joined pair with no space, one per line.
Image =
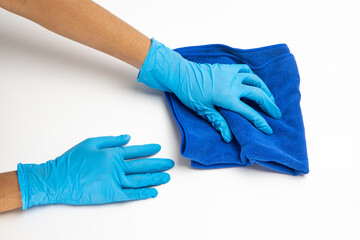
10,196
85,22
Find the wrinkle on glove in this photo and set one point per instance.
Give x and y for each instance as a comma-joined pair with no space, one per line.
283,151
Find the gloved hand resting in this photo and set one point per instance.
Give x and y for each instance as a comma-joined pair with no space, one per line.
201,87
94,172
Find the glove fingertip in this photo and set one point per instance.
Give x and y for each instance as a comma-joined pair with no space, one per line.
154,193
268,130
156,147
168,163
171,164
277,113
227,138
153,148
165,178
125,138
226,134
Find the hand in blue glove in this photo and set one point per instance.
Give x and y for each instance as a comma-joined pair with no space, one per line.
94,172
201,87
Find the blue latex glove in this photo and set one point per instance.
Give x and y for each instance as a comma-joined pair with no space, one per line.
201,87
94,172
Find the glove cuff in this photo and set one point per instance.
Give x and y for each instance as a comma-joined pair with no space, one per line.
35,184
160,67
23,185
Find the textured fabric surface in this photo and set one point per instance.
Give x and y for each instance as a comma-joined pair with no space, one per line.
283,151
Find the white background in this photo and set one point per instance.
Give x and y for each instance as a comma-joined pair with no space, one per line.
55,93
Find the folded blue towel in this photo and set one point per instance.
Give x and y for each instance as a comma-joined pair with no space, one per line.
283,151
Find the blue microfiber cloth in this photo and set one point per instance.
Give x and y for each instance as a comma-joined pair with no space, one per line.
283,151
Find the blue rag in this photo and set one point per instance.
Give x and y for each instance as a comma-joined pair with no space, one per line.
283,151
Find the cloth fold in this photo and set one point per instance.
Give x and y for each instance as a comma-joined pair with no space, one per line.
283,151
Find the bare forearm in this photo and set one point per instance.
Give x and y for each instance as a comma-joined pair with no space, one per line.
10,195
88,23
